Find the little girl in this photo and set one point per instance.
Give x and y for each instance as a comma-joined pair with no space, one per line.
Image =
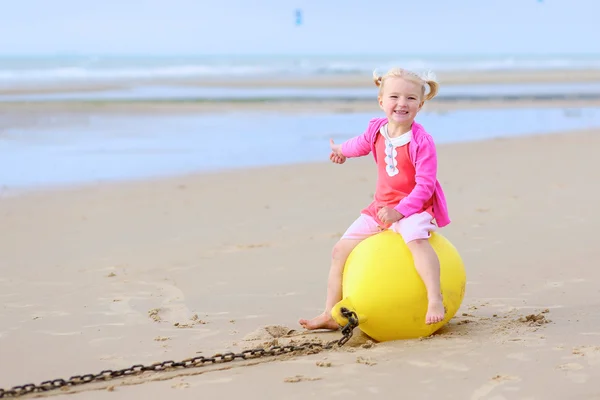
408,197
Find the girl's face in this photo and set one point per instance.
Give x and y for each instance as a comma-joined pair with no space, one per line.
401,100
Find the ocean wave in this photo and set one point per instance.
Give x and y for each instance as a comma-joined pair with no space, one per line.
107,69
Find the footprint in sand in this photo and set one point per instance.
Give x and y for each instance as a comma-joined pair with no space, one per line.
587,350
570,367
268,332
172,307
180,385
587,354
591,354
498,380
575,377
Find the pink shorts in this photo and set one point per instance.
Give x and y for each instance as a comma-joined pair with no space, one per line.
417,226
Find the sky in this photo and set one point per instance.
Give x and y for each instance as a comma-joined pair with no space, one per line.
30,27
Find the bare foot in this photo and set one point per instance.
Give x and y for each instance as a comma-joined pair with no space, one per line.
435,312
323,321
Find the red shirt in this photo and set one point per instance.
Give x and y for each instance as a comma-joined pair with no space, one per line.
391,189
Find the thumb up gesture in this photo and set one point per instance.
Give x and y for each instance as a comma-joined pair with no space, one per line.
336,155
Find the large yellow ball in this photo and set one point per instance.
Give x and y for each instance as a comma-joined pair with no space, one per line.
382,286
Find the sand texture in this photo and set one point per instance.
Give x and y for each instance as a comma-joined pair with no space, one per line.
111,275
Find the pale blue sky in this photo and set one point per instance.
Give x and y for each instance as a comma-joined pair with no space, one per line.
268,26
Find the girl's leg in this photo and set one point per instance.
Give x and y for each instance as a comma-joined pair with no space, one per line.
340,253
416,230
427,265
363,227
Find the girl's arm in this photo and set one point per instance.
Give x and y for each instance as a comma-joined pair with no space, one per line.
360,145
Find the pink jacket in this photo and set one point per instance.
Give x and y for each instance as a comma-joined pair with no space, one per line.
424,157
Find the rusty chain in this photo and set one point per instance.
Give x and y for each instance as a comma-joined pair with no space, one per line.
194,362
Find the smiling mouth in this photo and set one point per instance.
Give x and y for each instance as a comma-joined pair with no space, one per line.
400,112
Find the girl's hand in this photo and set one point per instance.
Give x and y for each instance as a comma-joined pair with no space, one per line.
388,215
336,155
337,159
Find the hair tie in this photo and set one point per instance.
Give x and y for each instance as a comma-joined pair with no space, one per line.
429,76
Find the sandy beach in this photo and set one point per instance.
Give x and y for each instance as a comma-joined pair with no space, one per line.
109,275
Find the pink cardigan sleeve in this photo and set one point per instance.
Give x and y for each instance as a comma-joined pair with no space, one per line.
425,178
360,145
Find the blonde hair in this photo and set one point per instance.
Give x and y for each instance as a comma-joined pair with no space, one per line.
422,80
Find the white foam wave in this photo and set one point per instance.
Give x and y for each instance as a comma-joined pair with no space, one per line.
98,69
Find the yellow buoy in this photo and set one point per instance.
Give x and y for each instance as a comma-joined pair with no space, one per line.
382,286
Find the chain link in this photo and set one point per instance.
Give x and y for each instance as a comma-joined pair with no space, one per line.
194,362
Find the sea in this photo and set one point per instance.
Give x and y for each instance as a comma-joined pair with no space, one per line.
16,70
62,150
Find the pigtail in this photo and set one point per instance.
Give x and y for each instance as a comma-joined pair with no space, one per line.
430,79
434,87
377,79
